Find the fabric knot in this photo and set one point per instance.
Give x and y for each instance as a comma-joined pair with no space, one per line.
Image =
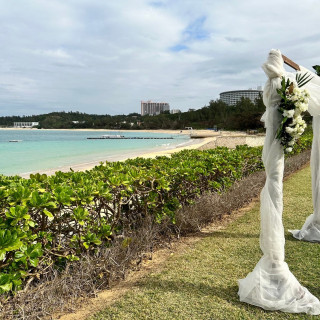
273,67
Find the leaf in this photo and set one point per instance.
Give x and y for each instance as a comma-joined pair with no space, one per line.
317,69
34,262
9,241
51,204
86,245
303,79
6,287
31,223
48,214
17,212
72,257
5,282
19,254
97,241
2,254
35,251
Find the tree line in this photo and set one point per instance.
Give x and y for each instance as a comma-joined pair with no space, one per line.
242,116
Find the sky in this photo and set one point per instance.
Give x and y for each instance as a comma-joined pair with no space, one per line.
105,56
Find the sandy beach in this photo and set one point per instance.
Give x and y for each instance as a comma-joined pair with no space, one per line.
202,139
192,144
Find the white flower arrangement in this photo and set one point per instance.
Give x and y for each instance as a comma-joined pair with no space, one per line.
294,102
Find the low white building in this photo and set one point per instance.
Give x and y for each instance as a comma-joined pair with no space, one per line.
175,111
25,124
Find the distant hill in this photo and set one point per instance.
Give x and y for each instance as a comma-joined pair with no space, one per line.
69,120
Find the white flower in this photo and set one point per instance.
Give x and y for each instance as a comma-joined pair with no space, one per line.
288,113
296,90
301,123
306,93
298,120
291,143
293,97
303,107
289,130
288,149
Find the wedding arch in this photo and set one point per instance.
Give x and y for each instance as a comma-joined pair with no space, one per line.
271,285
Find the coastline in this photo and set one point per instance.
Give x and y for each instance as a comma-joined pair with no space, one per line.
202,139
111,130
192,144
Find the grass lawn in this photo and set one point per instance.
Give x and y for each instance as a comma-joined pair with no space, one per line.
202,283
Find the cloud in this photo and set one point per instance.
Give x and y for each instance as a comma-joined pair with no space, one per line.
236,39
104,57
57,53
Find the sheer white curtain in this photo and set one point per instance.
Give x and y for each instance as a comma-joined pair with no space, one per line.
310,231
271,285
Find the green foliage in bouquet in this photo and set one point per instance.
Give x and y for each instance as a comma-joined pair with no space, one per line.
317,69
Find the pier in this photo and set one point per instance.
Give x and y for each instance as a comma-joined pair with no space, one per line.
127,138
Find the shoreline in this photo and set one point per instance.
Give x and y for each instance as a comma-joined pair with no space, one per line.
202,139
200,132
111,130
193,144
195,133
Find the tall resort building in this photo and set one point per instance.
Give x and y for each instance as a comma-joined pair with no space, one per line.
153,108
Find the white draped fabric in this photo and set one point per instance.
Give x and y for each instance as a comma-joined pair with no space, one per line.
310,231
271,285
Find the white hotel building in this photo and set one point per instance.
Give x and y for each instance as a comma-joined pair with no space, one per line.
25,124
153,108
232,97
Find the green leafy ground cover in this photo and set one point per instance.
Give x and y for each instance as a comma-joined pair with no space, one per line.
47,221
202,283
51,221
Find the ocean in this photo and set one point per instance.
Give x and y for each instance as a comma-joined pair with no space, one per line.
41,150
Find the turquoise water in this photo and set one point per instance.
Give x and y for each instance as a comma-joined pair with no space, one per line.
54,149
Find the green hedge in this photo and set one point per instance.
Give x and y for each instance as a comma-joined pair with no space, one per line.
50,220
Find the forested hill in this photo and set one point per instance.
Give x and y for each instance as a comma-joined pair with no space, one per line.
245,115
65,120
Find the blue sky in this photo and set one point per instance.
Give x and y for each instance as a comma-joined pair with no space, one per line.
105,57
